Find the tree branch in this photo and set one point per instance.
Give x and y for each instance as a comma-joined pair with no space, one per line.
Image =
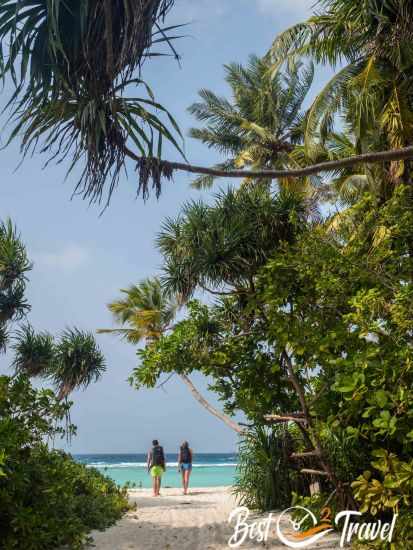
162,384
313,472
304,455
275,418
379,156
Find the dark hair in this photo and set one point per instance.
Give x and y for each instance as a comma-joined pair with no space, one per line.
155,442
185,445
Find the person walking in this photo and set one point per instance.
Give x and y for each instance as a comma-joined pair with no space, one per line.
185,458
156,466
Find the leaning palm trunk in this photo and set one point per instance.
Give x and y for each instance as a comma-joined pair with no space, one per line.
226,419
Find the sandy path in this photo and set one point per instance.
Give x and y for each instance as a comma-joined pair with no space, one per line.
198,521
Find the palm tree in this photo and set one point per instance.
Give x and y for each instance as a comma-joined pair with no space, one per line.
146,313
147,310
261,125
14,265
73,361
373,89
71,63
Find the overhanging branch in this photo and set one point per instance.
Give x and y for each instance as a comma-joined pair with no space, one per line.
156,169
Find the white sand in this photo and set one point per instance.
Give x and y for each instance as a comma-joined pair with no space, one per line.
198,521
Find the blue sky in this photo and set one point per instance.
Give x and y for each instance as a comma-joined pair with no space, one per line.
81,259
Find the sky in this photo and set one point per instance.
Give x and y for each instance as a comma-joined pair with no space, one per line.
82,259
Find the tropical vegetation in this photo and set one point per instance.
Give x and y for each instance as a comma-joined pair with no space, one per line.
47,499
78,90
262,126
307,324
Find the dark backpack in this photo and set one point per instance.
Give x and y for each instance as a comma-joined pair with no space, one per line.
157,456
185,455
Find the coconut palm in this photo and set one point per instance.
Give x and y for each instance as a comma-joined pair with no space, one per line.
145,313
71,362
71,63
261,124
373,89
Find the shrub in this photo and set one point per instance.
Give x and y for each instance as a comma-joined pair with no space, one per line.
47,500
265,480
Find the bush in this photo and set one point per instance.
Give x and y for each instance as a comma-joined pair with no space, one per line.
47,500
265,480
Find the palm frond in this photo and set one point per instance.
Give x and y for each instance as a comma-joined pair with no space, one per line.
71,65
78,361
145,312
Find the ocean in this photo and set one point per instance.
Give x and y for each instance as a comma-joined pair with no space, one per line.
209,469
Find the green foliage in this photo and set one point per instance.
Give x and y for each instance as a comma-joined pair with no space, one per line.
73,68
14,266
265,480
242,369
225,244
346,454
259,127
78,362
341,303
74,360
392,491
34,353
146,312
372,90
47,500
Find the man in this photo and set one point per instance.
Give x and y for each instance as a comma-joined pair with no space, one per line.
156,466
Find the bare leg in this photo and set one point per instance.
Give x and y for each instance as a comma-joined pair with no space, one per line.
183,479
154,486
186,480
159,484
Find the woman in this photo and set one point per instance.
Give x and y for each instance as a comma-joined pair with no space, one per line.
185,464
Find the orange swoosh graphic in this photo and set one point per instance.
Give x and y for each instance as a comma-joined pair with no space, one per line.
313,531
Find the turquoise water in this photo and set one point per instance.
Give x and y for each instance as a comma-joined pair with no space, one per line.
209,470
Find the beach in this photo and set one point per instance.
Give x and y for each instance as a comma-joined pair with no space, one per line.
198,521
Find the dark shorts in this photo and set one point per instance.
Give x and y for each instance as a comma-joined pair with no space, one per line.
186,467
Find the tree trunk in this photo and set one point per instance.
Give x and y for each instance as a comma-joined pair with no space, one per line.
344,495
228,421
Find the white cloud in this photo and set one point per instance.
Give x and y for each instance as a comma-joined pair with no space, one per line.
69,258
